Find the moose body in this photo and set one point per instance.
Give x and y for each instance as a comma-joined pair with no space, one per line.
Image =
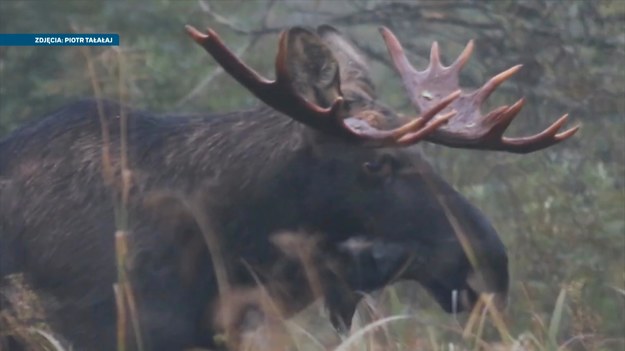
242,176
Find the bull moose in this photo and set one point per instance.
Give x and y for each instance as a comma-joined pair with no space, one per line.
322,157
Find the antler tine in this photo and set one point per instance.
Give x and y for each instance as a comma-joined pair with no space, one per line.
508,115
463,58
484,92
282,72
411,78
397,53
435,58
567,133
230,63
281,95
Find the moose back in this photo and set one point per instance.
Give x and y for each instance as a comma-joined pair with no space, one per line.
206,201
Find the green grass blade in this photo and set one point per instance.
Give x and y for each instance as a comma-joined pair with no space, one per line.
556,319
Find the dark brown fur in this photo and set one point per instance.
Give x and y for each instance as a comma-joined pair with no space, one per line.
250,174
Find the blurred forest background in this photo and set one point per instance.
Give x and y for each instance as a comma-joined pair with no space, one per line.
560,212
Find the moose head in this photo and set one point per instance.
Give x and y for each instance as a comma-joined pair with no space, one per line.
362,186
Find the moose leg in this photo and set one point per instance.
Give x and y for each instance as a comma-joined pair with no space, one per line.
341,303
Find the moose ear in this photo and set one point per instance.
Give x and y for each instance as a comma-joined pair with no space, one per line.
354,69
312,67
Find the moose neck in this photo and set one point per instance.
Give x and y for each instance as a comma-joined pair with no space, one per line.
250,166
237,151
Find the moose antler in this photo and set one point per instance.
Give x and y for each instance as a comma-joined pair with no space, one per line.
469,129
280,95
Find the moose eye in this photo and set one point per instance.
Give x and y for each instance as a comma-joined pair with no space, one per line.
384,167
